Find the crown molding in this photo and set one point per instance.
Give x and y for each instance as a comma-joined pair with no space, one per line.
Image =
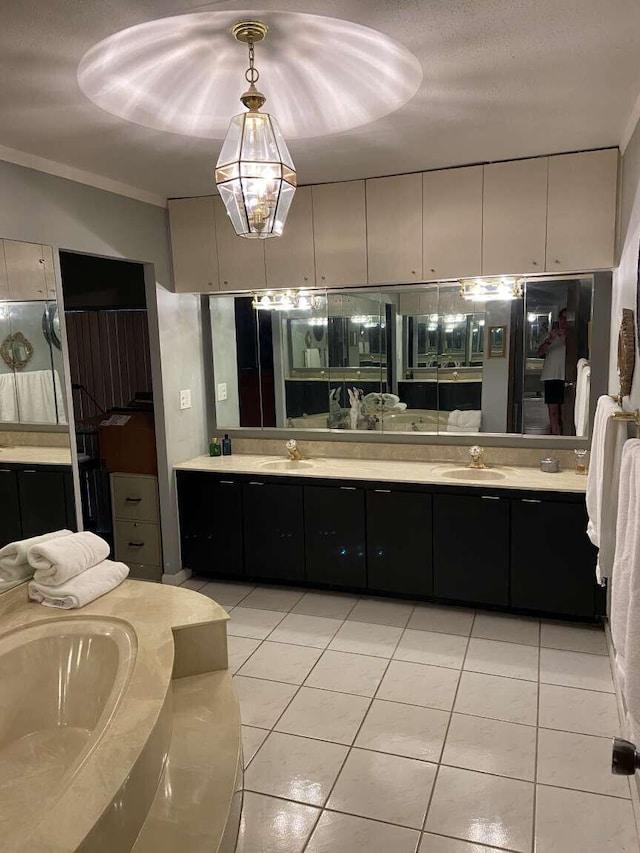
71,173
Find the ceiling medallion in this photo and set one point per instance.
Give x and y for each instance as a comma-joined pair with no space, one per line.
255,174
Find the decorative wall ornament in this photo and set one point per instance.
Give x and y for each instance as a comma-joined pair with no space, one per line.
626,351
16,351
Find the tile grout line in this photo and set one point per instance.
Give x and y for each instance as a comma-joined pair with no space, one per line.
446,734
355,737
535,756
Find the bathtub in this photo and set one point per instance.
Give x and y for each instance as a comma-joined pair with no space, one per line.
62,681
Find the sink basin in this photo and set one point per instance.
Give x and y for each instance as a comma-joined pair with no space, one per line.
474,474
288,464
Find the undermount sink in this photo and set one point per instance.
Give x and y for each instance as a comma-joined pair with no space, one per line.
474,474
288,464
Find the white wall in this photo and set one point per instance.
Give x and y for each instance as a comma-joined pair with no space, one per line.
495,371
225,359
42,208
626,275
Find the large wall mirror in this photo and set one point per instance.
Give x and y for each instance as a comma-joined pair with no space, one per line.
31,371
440,359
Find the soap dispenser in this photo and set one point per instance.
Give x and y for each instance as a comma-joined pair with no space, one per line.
226,445
215,448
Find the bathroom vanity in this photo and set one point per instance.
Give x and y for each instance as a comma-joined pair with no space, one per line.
510,538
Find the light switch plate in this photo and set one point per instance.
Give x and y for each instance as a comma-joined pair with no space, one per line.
222,391
185,399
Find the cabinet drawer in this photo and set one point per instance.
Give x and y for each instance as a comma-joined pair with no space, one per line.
134,498
137,542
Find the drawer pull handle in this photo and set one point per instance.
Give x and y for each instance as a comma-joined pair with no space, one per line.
136,544
254,483
133,500
382,491
229,483
347,488
530,501
490,498
29,471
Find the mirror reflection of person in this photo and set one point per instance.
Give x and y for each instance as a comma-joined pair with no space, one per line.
554,351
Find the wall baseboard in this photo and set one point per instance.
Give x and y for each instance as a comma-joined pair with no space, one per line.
177,578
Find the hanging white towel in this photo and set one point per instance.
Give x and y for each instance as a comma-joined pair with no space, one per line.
14,563
625,591
81,590
607,443
39,394
8,398
583,388
59,560
312,357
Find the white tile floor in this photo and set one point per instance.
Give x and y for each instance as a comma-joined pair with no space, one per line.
376,725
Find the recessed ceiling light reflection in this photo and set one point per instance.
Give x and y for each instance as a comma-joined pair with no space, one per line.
181,74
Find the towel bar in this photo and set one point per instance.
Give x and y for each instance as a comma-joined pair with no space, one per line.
629,417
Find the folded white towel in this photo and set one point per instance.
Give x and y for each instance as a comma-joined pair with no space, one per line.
14,563
607,443
625,583
59,560
81,590
465,420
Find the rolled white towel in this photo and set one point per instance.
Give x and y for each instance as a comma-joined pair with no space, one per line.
14,563
81,590
59,560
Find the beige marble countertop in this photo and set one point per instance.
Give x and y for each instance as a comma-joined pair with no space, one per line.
35,455
177,633
391,471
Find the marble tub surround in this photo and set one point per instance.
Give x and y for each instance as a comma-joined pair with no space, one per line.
34,454
387,470
174,633
458,453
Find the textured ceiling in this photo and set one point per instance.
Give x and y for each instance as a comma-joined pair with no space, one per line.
501,79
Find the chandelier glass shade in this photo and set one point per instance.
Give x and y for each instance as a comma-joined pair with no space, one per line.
255,174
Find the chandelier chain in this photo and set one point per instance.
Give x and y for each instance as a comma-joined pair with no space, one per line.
251,74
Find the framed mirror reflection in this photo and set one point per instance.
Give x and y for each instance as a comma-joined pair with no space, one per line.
440,358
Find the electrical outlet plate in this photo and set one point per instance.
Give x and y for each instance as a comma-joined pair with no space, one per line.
222,391
185,399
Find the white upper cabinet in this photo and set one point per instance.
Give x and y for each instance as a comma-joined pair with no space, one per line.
289,258
394,229
29,267
581,222
340,234
240,260
514,217
452,223
193,244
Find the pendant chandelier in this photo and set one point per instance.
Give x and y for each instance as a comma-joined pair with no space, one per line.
255,175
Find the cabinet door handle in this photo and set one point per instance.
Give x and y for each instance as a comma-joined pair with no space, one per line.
231,483
347,488
382,491
254,483
490,498
133,500
530,501
29,471
136,544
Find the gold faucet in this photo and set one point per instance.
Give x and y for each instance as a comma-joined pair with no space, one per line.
293,450
477,460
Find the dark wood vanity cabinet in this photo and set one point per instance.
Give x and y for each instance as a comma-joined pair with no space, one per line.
273,530
10,523
399,542
335,540
501,548
552,560
211,524
471,548
35,500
